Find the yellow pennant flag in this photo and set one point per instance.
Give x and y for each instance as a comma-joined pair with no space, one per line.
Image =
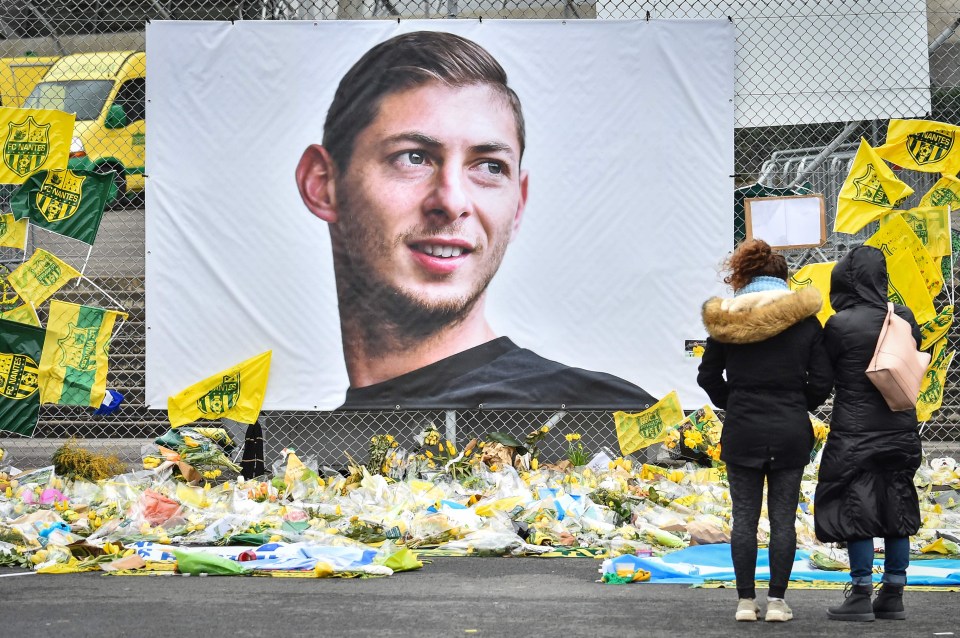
818,276
13,233
23,313
931,392
895,234
946,192
636,431
870,190
33,140
922,145
937,328
73,365
236,393
931,224
36,279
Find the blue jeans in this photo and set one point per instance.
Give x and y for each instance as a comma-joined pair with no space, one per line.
895,562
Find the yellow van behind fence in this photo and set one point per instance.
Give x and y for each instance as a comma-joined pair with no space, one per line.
19,75
107,92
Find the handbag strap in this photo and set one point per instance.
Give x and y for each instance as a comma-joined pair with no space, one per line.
883,332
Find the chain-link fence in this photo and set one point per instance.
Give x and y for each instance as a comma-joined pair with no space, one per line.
813,148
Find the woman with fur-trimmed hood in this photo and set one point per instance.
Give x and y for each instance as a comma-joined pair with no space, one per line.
769,342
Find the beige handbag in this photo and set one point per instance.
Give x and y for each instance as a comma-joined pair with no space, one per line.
897,367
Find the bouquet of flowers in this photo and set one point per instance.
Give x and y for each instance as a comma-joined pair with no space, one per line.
697,438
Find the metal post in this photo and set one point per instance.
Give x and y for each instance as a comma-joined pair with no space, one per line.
452,9
451,426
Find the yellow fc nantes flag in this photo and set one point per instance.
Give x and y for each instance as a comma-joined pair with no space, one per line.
906,285
73,366
21,314
931,392
642,429
870,190
40,276
818,276
236,393
895,234
922,145
937,328
33,140
13,233
932,225
946,192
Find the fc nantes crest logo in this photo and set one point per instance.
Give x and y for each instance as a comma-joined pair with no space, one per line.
27,146
46,271
929,147
19,376
77,349
221,398
869,188
939,197
59,195
650,426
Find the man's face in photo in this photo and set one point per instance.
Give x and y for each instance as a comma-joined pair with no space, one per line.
432,196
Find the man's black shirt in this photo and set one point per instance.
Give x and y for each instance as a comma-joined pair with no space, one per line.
499,375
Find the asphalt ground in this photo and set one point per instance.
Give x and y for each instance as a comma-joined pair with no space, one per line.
515,597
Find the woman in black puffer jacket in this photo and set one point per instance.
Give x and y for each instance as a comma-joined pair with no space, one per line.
865,487
769,343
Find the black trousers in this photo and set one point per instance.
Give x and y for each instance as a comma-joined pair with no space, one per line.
746,494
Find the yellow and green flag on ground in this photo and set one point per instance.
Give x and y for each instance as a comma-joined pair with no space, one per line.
636,431
931,224
946,192
818,276
931,392
73,366
20,348
922,145
894,235
38,278
66,202
937,328
870,190
33,140
13,233
236,393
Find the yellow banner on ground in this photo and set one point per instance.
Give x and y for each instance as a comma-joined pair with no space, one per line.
13,233
33,140
236,393
73,365
937,328
931,392
946,192
818,276
895,234
870,190
922,145
636,431
38,278
931,225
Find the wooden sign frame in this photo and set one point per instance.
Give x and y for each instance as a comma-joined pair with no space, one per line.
748,218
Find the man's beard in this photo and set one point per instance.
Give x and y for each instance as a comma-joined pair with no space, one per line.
383,315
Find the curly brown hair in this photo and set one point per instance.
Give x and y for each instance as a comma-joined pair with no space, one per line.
754,258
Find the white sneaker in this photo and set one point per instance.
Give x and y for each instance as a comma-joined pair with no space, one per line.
778,611
747,610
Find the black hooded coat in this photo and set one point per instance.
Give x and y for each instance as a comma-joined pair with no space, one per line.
865,486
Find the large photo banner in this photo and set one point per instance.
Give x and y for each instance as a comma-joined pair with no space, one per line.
437,214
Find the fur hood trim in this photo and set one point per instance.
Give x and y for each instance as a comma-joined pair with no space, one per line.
757,316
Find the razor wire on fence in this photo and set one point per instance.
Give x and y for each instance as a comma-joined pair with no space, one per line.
810,147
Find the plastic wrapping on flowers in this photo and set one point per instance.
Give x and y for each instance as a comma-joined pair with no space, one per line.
468,504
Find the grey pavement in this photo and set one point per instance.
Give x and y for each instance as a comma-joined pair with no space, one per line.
557,597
